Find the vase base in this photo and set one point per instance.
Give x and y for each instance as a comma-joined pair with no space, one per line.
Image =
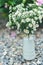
30,59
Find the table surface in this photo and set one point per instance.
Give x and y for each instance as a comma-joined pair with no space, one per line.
11,49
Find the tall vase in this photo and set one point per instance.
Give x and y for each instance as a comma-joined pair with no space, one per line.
29,47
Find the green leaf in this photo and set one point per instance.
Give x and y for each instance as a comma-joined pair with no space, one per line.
11,2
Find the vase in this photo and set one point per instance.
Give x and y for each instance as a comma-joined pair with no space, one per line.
29,48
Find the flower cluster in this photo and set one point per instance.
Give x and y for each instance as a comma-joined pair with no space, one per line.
26,19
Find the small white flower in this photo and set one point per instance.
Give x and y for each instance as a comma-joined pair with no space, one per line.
19,14
14,20
10,7
12,27
26,31
10,15
18,25
30,5
30,11
35,10
34,28
34,13
22,21
25,13
30,25
27,19
8,24
13,13
31,14
27,27
6,5
40,17
40,8
39,12
37,25
35,18
32,31
40,21
33,22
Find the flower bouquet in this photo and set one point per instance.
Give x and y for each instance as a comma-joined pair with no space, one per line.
26,18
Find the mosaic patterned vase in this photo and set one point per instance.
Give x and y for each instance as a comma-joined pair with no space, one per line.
29,48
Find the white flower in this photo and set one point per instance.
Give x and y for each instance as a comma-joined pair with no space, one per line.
32,31
33,22
34,28
30,14
14,20
40,20
40,17
35,10
22,21
27,19
10,7
35,18
12,27
19,14
30,25
27,27
39,12
8,24
30,5
10,15
30,11
26,31
13,13
6,5
18,25
37,25
40,8
25,13
34,13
